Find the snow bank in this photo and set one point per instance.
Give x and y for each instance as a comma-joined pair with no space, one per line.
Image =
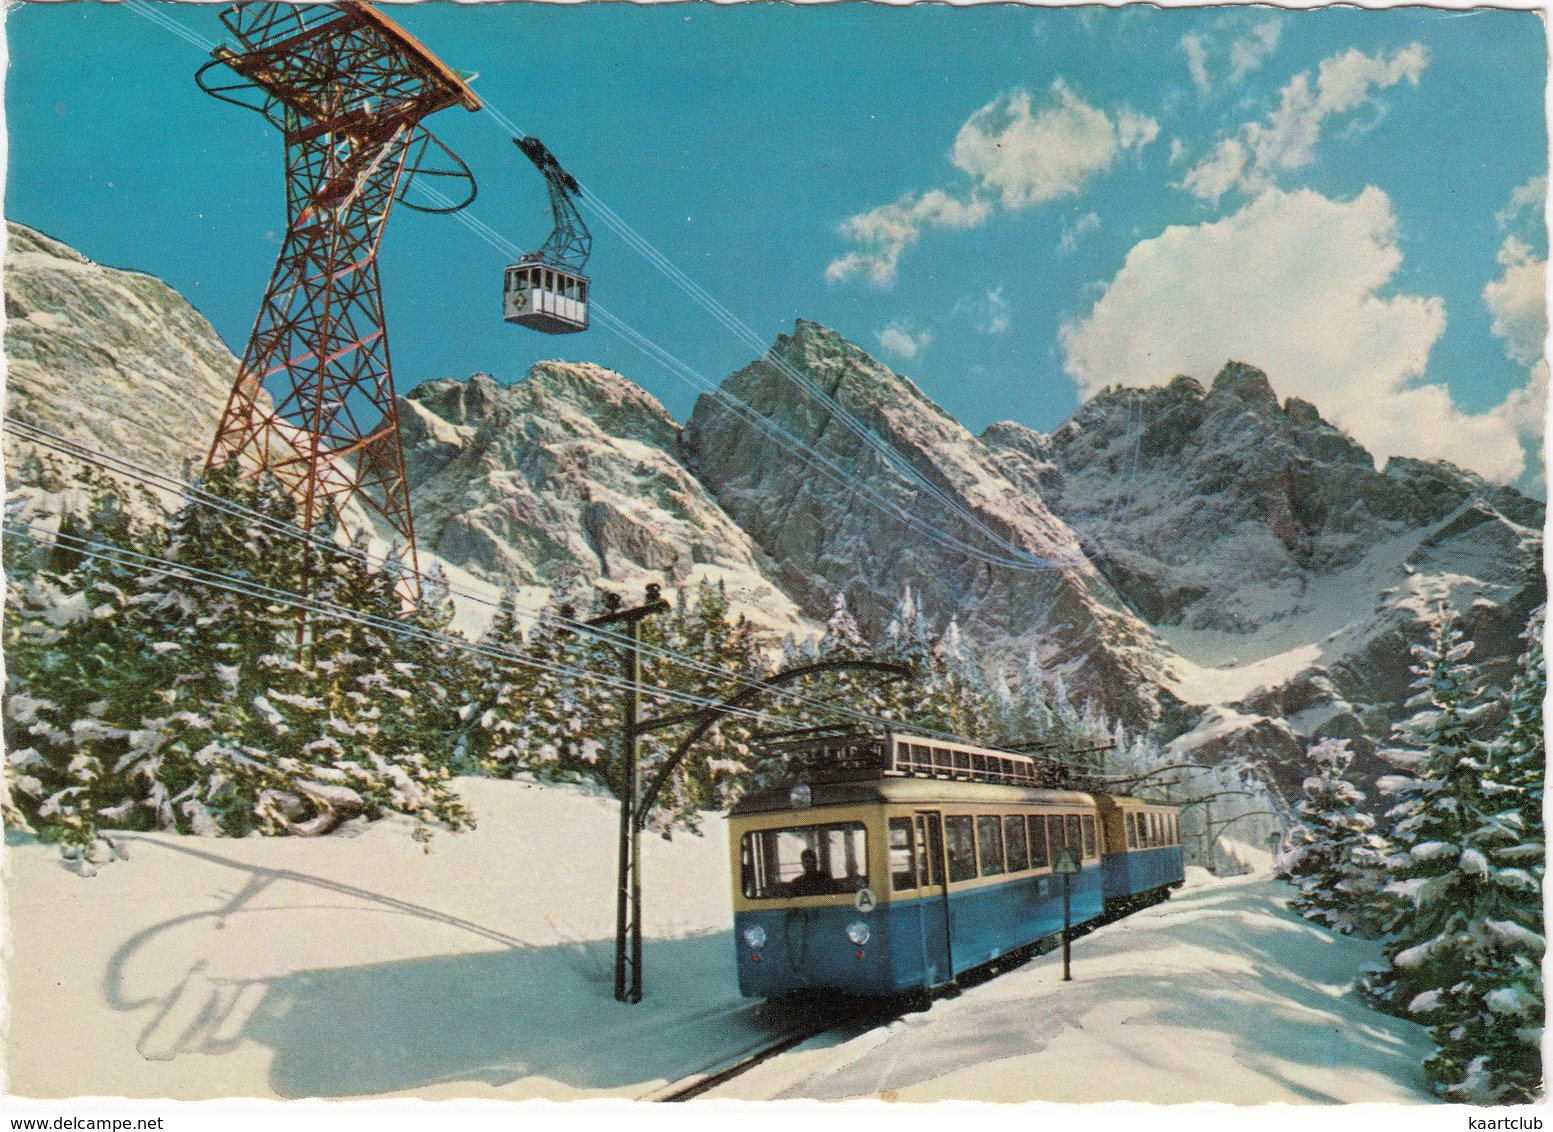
345,966
348,967
1220,995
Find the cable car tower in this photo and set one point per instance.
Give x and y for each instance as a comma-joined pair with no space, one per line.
546,290
347,87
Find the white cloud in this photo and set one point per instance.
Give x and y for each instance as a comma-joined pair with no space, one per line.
1532,196
1258,152
900,341
997,313
1177,150
1245,52
1197,61
1292,284
1014,151
1248,52
1518,302
1029,158
1073,233
887,231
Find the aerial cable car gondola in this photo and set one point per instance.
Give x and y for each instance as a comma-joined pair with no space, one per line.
546,290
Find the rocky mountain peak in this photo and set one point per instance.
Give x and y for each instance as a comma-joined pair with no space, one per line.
861,522
1246,384
112,358
617,405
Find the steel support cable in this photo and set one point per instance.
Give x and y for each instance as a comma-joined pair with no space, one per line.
1018,558
167,23
123,557
747,412
1022,559
120,556
287,530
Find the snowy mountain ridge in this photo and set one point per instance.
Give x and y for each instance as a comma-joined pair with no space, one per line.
1232,570
1287,573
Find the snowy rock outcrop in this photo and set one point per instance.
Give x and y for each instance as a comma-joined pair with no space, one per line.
571,476
821,534
115,360
1288,573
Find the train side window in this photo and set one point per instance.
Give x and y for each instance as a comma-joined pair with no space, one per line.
1057,833
1075,838
1153,830
903,871
989,843
1038,855
930,841
1087,824
960,842
1016,845
1175,830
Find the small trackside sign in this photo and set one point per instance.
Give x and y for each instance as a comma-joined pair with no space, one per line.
1067,863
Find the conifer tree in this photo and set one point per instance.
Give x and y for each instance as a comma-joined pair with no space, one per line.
1470,924
1334,858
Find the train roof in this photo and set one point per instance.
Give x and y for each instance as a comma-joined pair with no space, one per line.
910,791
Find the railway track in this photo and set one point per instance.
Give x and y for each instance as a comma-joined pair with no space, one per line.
822,1016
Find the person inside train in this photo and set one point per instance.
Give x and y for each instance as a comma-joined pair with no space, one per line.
811,882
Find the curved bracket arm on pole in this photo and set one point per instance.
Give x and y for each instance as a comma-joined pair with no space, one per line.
711,715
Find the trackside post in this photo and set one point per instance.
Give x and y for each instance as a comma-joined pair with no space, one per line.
1067,864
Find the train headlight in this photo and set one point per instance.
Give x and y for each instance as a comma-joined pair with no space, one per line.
858,932
755,936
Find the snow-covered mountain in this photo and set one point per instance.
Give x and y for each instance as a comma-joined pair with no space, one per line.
1288,574
571,476
116,360
1230,568
841,530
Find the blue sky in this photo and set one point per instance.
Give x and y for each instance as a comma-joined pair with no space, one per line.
1013,206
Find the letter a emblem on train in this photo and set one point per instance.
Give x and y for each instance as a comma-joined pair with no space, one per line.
865,900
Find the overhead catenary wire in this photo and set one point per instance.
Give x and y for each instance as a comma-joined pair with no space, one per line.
606,636
1018,558
215,579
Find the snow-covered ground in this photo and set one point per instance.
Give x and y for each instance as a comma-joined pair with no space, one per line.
1219,995
365,966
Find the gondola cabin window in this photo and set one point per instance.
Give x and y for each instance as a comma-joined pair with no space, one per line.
773,864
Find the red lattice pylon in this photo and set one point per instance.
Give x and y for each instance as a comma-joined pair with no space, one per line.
348,88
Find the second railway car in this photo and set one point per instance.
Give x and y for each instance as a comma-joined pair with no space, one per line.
897,864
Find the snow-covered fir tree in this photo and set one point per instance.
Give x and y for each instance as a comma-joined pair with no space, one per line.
177,693
1333,856
1468,937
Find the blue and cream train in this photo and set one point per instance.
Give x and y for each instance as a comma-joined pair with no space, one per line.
896,864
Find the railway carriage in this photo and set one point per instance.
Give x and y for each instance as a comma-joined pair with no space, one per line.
895,863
